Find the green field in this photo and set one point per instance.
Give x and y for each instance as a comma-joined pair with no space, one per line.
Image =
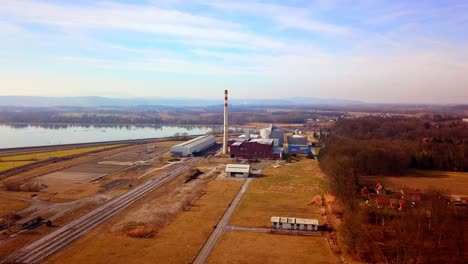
284,191
13,161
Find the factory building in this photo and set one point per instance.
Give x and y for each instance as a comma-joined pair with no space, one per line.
297,140
275,133
291,223
300,150
193,146
254,149
238,170
297,145
247,136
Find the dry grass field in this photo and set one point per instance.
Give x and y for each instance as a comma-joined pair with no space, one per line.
453,182
11,205
284,191
178,242
30,235
249,247
8,162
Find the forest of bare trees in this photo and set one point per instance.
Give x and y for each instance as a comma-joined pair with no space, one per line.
432,232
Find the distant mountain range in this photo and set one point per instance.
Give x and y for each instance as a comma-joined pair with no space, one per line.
95,101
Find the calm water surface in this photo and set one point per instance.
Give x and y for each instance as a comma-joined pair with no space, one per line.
12,136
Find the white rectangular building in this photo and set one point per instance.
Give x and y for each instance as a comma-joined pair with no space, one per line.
238,170
193,146
291,223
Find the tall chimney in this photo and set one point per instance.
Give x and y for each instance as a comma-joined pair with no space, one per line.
225,139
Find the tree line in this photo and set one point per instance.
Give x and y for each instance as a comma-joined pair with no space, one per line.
176,117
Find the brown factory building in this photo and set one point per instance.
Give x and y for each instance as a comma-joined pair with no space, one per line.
254,149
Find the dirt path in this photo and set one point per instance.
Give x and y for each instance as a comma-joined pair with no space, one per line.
221,227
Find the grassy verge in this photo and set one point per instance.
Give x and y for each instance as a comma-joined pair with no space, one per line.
249,247
284,191
178,242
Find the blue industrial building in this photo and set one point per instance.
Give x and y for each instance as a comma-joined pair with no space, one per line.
299,149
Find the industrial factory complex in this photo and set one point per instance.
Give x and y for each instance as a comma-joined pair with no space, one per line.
271,142
194,191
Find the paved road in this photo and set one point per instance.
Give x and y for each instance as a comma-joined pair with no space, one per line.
220,228
60,238
247,229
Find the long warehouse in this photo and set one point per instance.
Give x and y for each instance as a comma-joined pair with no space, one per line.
193,146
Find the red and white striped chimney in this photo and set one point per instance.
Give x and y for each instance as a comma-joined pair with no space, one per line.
225,139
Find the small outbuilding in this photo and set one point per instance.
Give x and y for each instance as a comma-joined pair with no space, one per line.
238,170
291,223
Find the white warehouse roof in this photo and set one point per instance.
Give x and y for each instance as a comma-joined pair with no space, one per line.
194,142
194,145
290,220
239,168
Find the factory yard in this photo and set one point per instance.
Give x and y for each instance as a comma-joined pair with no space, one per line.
86,175
68,187
175,240
12,161
187,202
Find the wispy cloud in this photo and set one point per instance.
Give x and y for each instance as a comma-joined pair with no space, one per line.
366,50
138,18
284,16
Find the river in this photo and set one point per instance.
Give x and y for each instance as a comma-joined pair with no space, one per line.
23,135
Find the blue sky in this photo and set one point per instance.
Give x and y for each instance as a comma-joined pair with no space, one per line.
368,50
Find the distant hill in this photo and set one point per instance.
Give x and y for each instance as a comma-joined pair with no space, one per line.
95,101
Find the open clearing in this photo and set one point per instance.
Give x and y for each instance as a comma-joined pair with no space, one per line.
284,191
453,182
249,247
177,242
91,173
12,161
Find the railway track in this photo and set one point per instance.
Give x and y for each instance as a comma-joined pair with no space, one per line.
53,242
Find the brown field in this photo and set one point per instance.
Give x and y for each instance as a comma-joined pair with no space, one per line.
249,247
178,242
285,191
8,205
453,182
30,235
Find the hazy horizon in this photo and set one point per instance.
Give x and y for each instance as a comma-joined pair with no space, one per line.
369,51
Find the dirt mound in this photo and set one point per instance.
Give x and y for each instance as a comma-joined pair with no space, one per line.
140,230
21,186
